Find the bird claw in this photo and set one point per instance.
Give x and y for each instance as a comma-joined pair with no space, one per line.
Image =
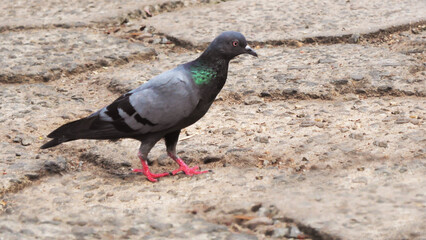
151,176
189,171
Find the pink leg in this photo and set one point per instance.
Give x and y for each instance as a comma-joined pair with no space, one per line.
183,167
145,170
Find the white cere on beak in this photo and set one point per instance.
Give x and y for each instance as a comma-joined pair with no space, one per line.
250,51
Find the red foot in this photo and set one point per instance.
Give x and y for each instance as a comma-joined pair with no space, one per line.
187,170
151,176
145,170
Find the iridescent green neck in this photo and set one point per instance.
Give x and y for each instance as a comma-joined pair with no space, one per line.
202,74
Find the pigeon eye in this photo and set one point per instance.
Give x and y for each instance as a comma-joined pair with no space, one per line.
235,43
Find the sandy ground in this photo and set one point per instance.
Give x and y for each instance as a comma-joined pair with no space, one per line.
321,137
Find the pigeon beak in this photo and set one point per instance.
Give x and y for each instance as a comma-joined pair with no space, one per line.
250,51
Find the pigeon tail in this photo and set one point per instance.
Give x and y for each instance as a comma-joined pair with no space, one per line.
87,128
65,133
54,142
76,129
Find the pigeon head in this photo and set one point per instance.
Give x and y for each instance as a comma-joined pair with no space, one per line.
229,45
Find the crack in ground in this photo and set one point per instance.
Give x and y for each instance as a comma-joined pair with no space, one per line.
353,38
51,168
266,221
31,178
142,12
275,96
364,93
56,74
115,168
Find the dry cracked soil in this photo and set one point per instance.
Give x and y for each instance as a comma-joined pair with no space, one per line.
321,137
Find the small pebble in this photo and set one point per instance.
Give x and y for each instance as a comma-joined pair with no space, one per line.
292,122
354,38
88,195
126,198
280,232
229,131
256,207
387,119
294,232
289,91
356,77
172,192
255,222
380,144
26,141
344,129
415,121
402,120
132,231
253,100
212,159
258,188
340,82
241,236
17,139
357,136
307,124
261,139
161,226
360,180
82,232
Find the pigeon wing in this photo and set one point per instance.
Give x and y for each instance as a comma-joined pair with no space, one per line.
157,105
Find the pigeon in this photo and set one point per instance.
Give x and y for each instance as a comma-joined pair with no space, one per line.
163,106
